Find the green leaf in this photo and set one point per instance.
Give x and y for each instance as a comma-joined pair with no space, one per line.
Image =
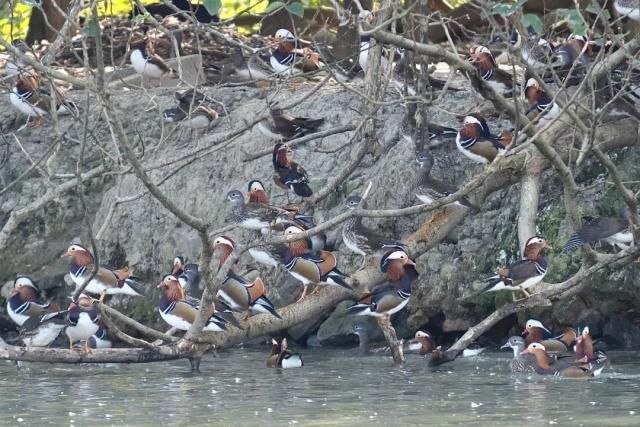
533,21
296,8
212,6
273,6
91,28
575,21
506,9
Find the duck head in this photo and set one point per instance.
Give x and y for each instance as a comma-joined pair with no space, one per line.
225,245
422,342
535,247
355,202
298,247
79,254
533,331
394,262
235,197
26,287
257,193
178,265
516,343
285,40
171,288
424,158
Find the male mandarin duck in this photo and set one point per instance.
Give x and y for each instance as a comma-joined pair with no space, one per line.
429,189
394,295
100,339
288,59
281,357
82,320
178,313
312,268
613,230
585,352
572,53
188,275
562,368
543,109
147,63
271,255
361,239
534,332
628,8
105,282
523,274
257,193
29,98
476,141
284,127
23,300
238,293
421,343
41,329
289,175
483,61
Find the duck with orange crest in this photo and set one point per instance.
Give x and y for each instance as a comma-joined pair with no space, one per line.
82,321
534,331
476,141
569,368
24,300
281,357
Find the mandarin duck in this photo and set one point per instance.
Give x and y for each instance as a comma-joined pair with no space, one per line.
429,189
271,255
253,216
394,295
484,62
100,339
289,175
534,332
523,274
312,267
82,320
147,63
363,240
29,98
476,141
281,357
615,231
519,363
23,300
105,282
285,127
238,293
178,313
628,8
387,58
585,352
542,108
421,343
41,329
188,275
570,369
287,59
257,193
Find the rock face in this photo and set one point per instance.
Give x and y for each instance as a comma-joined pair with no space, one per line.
196,170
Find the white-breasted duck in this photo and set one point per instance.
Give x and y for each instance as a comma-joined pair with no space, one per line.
29,98
523,274
238,293
100,339
484,62
429,189
146,62
41,329
542,108
562,368
394,295
289,175
24,301
178,313
628,8
312,267
82,320
288,59
613,230
105,282
476,141
281,357
361,239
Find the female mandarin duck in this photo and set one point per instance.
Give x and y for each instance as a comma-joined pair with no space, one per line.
394,295
238,293
178,313
23,300
561,368
281,357
312,268
82,320
105,282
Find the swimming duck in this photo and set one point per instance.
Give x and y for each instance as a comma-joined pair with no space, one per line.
105,282
585,352
281,357
534,332
519,362
82,320
560,369
23,300
178,313
421,343
237,292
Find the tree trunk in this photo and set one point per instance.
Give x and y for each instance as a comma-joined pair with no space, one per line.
38,28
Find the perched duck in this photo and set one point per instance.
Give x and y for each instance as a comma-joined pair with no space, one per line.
560,369
534,332
189,98
476,141
429,189
82,320
201,117
41,329
527,272
253,216
386,60
238,293
537,53
178,313
571,59
614,231
394,295
288,59
271,255
100,339
257,193
543,109
174,115
29,98
361,239
312,268
628,8
105,282
23,300
500,80
188,275
281,357
286,127
288,174
148,64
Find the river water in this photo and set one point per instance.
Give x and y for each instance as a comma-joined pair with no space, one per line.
334,388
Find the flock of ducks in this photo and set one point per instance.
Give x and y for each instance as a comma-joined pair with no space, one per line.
310,260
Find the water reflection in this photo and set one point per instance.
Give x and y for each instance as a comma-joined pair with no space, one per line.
335,388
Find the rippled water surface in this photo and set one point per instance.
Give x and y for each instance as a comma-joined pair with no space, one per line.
335,387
